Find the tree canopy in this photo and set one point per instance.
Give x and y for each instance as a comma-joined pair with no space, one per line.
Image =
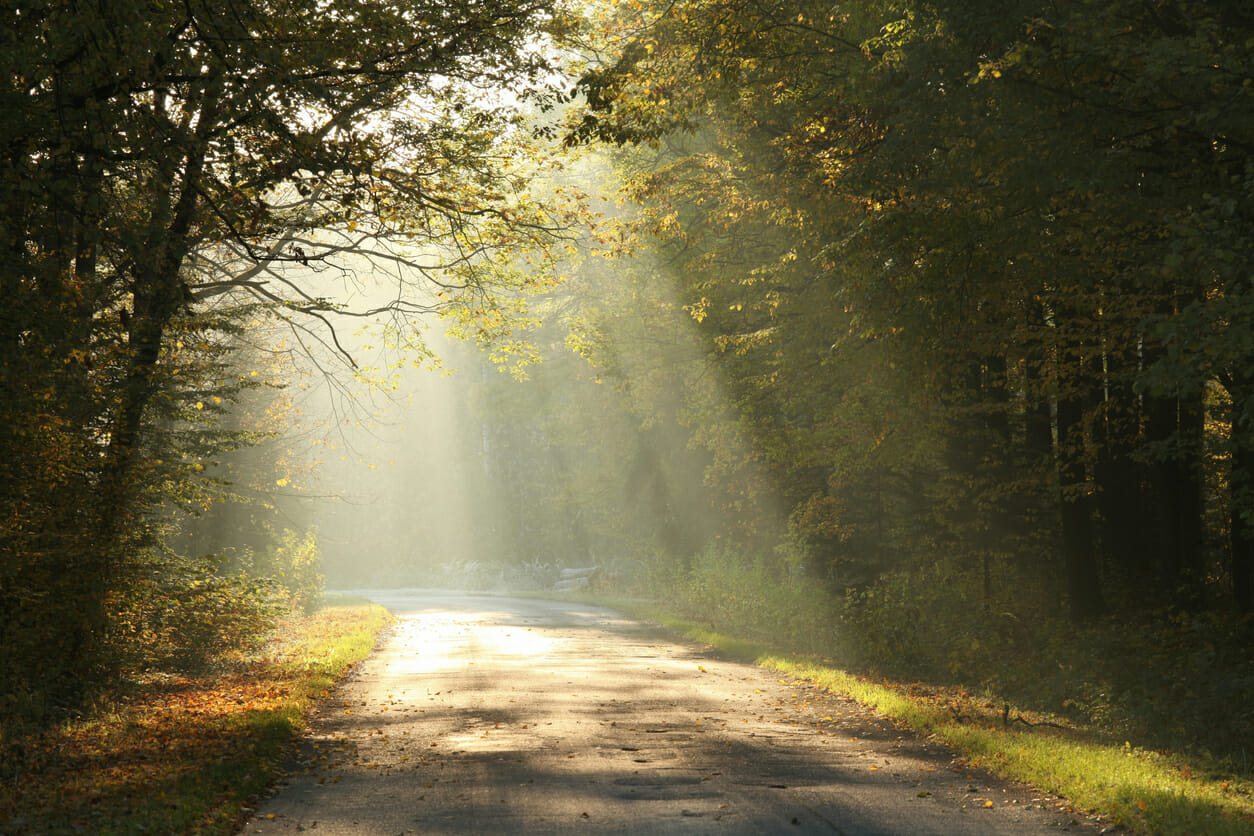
167,162
1020,232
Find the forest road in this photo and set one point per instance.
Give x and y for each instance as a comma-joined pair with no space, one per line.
504,715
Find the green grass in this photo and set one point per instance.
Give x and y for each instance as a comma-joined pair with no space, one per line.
1146,792
187,754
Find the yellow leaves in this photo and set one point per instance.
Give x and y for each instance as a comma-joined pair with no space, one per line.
989,70
699,310
283,483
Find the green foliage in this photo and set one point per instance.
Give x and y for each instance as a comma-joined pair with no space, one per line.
963,273
1165,681
1161,680
186,614
293,564
731,589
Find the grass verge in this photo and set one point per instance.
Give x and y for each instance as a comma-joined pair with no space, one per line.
185,754
1144,791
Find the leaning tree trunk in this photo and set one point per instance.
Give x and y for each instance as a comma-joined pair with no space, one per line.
158,295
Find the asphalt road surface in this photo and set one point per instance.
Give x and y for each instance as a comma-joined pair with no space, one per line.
505,715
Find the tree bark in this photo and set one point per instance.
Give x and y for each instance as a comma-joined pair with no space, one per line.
1241,501
1242,535
1172,515
1084,594
1125,539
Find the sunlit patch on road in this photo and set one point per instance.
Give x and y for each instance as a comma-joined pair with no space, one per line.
514,716
452,641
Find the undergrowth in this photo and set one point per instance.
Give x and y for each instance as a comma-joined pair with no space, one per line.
184,753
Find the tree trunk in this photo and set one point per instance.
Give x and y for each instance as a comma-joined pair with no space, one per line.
1079,562
1126,541
1241,506
158,295
1242,540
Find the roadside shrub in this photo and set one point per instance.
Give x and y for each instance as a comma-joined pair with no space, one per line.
293,563
928,623
186,616
1163,679
1180,680
736,591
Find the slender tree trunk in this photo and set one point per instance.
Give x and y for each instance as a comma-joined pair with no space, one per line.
1084,592
1186,497
158,296
1040,534
1125,539
1241,497
1242,534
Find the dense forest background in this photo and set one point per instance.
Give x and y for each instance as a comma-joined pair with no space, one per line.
932,320
917,334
